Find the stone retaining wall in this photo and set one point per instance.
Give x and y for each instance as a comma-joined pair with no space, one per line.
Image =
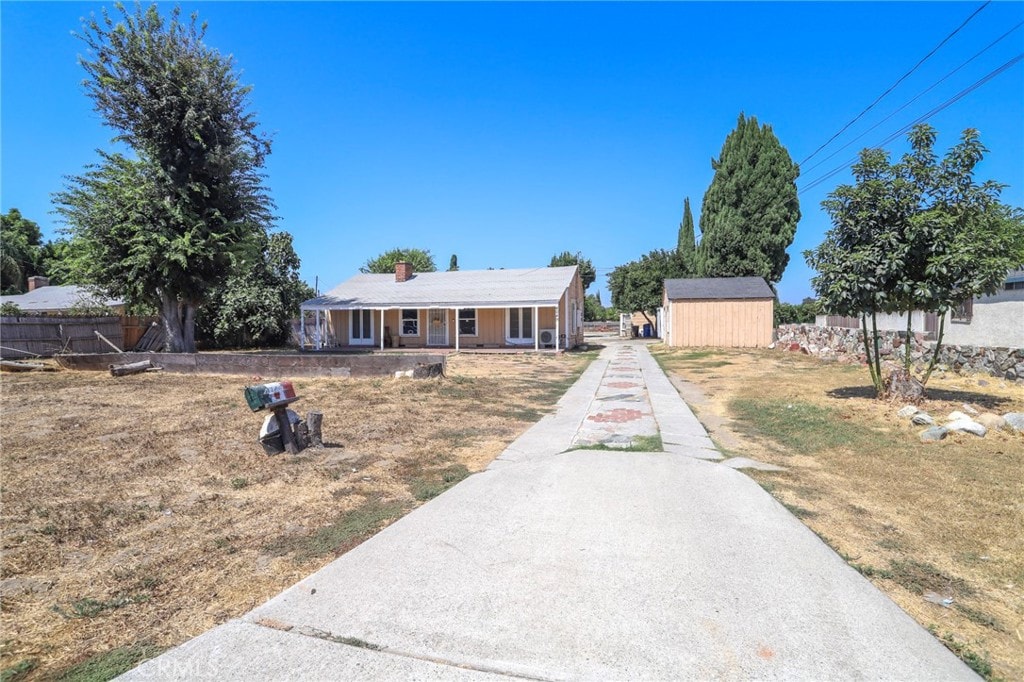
845,345
269,365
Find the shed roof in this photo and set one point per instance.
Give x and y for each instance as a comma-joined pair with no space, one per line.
459,289
702,288
56,298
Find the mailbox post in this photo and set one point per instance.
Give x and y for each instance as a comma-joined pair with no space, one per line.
275,397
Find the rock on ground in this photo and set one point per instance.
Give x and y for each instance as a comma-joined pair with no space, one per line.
967,426
1015,420
935,433
992,422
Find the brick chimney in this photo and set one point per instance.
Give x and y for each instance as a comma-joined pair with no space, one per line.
37,282
403,271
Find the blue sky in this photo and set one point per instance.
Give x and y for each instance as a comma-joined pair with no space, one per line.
508,132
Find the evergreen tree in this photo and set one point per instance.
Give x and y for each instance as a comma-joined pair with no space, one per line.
750,210
453,263
687,244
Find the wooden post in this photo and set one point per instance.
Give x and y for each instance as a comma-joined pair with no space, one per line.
314,422
284,425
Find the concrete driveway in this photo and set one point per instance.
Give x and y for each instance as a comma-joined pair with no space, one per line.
581,565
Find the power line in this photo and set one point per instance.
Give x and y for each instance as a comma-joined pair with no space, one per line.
900,80
918,96
952,100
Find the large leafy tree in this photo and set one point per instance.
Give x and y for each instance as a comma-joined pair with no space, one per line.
587,272
920,234
21,243
750,210
257,303
639,285
420,259
165,226
686,244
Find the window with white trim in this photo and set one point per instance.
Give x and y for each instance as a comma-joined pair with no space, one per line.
467,322
410,322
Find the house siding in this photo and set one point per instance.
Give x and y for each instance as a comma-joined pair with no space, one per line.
723,323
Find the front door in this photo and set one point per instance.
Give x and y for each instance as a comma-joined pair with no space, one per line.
361,328
437,327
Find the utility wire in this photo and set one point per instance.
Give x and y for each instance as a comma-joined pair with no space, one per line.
952,100
900,80
918,96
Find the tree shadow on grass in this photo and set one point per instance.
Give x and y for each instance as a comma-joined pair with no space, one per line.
847,392
985,400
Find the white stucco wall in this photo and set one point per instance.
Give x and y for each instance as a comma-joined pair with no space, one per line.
998,321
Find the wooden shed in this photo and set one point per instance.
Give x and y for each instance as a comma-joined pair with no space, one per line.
732,312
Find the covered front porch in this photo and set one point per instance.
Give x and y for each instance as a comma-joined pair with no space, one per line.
333,327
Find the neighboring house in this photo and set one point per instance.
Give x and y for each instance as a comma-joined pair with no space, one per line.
995,321
535,308
42,299
731,312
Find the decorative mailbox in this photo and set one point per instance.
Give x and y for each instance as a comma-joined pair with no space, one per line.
269,396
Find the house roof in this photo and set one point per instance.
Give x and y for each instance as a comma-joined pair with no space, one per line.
459,289
54,298
717,288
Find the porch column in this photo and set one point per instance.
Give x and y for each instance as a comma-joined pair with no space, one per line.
556,330
382,329
456,330
316,333
302,330
536,332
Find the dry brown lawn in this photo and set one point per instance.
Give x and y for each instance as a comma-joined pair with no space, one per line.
140,512
945,518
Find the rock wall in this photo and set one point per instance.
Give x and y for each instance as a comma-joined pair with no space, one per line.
845,345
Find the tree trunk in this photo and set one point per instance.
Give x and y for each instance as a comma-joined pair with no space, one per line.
878,356
938,347
179,324
876,381
910,331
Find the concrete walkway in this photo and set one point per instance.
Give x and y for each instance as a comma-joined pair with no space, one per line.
567,564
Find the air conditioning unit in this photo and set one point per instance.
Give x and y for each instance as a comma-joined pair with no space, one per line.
547,337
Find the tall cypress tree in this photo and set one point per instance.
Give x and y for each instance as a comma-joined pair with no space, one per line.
750,210
687,243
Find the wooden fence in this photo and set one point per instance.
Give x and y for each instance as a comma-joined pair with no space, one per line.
133,327
22,337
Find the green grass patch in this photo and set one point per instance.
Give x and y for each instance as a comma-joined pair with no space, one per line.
798,425
19,670
345,532
979,617
919,577
427,488
108,665
639,444
979,663
88,607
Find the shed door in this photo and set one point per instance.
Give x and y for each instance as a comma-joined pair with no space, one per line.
437,327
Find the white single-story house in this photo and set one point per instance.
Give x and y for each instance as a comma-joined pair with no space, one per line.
538,308
995,321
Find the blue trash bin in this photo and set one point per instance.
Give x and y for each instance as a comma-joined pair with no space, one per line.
647,330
